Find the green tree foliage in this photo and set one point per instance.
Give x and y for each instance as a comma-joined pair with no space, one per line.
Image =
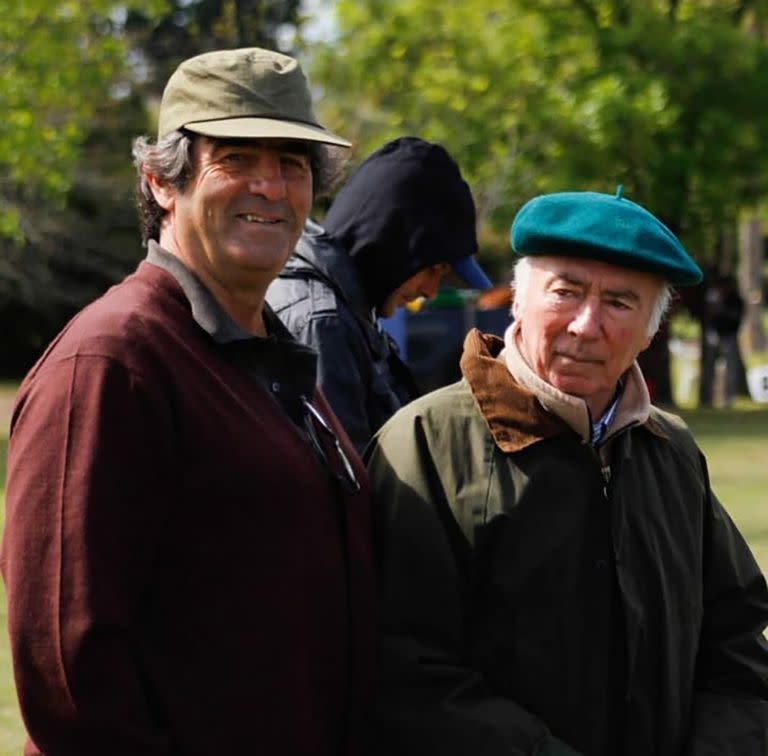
676,109
57,61
190,27
60,63
668,98
475,75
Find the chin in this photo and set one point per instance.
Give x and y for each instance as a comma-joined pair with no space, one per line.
574,386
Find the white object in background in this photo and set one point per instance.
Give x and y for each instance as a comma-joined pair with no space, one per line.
757,380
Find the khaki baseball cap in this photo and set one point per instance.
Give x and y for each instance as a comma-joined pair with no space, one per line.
249,93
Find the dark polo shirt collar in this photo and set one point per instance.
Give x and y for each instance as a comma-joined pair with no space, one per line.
286,368
206,311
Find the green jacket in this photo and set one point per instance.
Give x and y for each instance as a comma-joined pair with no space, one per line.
532,595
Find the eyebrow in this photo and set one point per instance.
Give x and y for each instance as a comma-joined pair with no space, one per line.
630,294
569,278
623,294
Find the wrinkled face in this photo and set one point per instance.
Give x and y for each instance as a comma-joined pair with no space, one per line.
583,322
239,218
424,284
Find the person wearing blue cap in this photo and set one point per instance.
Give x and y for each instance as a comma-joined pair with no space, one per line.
403,220
556,575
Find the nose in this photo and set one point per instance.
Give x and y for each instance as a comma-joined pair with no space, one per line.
431,284
267,178
429,288
587,322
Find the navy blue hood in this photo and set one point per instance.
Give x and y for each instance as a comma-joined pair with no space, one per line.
405,208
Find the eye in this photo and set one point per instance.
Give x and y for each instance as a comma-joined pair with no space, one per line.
232,157
619,304
294,162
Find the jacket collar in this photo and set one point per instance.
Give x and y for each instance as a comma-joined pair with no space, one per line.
513,414
521,409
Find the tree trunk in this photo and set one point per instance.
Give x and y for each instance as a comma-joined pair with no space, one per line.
751,284
655,364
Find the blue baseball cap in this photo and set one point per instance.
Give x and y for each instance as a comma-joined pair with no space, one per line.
469,271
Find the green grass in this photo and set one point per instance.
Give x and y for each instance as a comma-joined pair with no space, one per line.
734,440
736,445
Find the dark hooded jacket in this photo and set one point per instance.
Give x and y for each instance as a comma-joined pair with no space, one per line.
404,209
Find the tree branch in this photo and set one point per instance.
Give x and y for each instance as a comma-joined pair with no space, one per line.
623,15
589,11
740,9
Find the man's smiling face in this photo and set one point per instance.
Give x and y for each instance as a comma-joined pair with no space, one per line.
242,212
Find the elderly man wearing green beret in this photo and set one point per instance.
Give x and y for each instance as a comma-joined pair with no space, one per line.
556,574
187,543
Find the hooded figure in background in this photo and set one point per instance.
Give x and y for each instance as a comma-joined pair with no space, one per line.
403,220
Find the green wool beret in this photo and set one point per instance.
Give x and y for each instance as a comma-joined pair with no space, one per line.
602,227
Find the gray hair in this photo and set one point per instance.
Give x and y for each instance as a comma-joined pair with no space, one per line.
522,274
171,161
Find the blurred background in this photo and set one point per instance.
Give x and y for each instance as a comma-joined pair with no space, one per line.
667,97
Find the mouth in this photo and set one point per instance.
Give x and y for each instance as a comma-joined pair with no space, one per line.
259,219
582,360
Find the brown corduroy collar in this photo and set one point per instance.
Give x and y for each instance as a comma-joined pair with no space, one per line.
514,415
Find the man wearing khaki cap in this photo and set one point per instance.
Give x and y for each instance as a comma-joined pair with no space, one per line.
557,575
186,550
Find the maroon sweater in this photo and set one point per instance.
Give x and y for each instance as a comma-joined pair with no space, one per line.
183,577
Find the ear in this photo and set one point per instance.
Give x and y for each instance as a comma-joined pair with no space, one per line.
164,193
515,308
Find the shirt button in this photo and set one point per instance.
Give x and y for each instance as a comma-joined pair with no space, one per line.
275,388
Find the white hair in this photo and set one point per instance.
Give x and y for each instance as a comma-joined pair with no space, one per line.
522,274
